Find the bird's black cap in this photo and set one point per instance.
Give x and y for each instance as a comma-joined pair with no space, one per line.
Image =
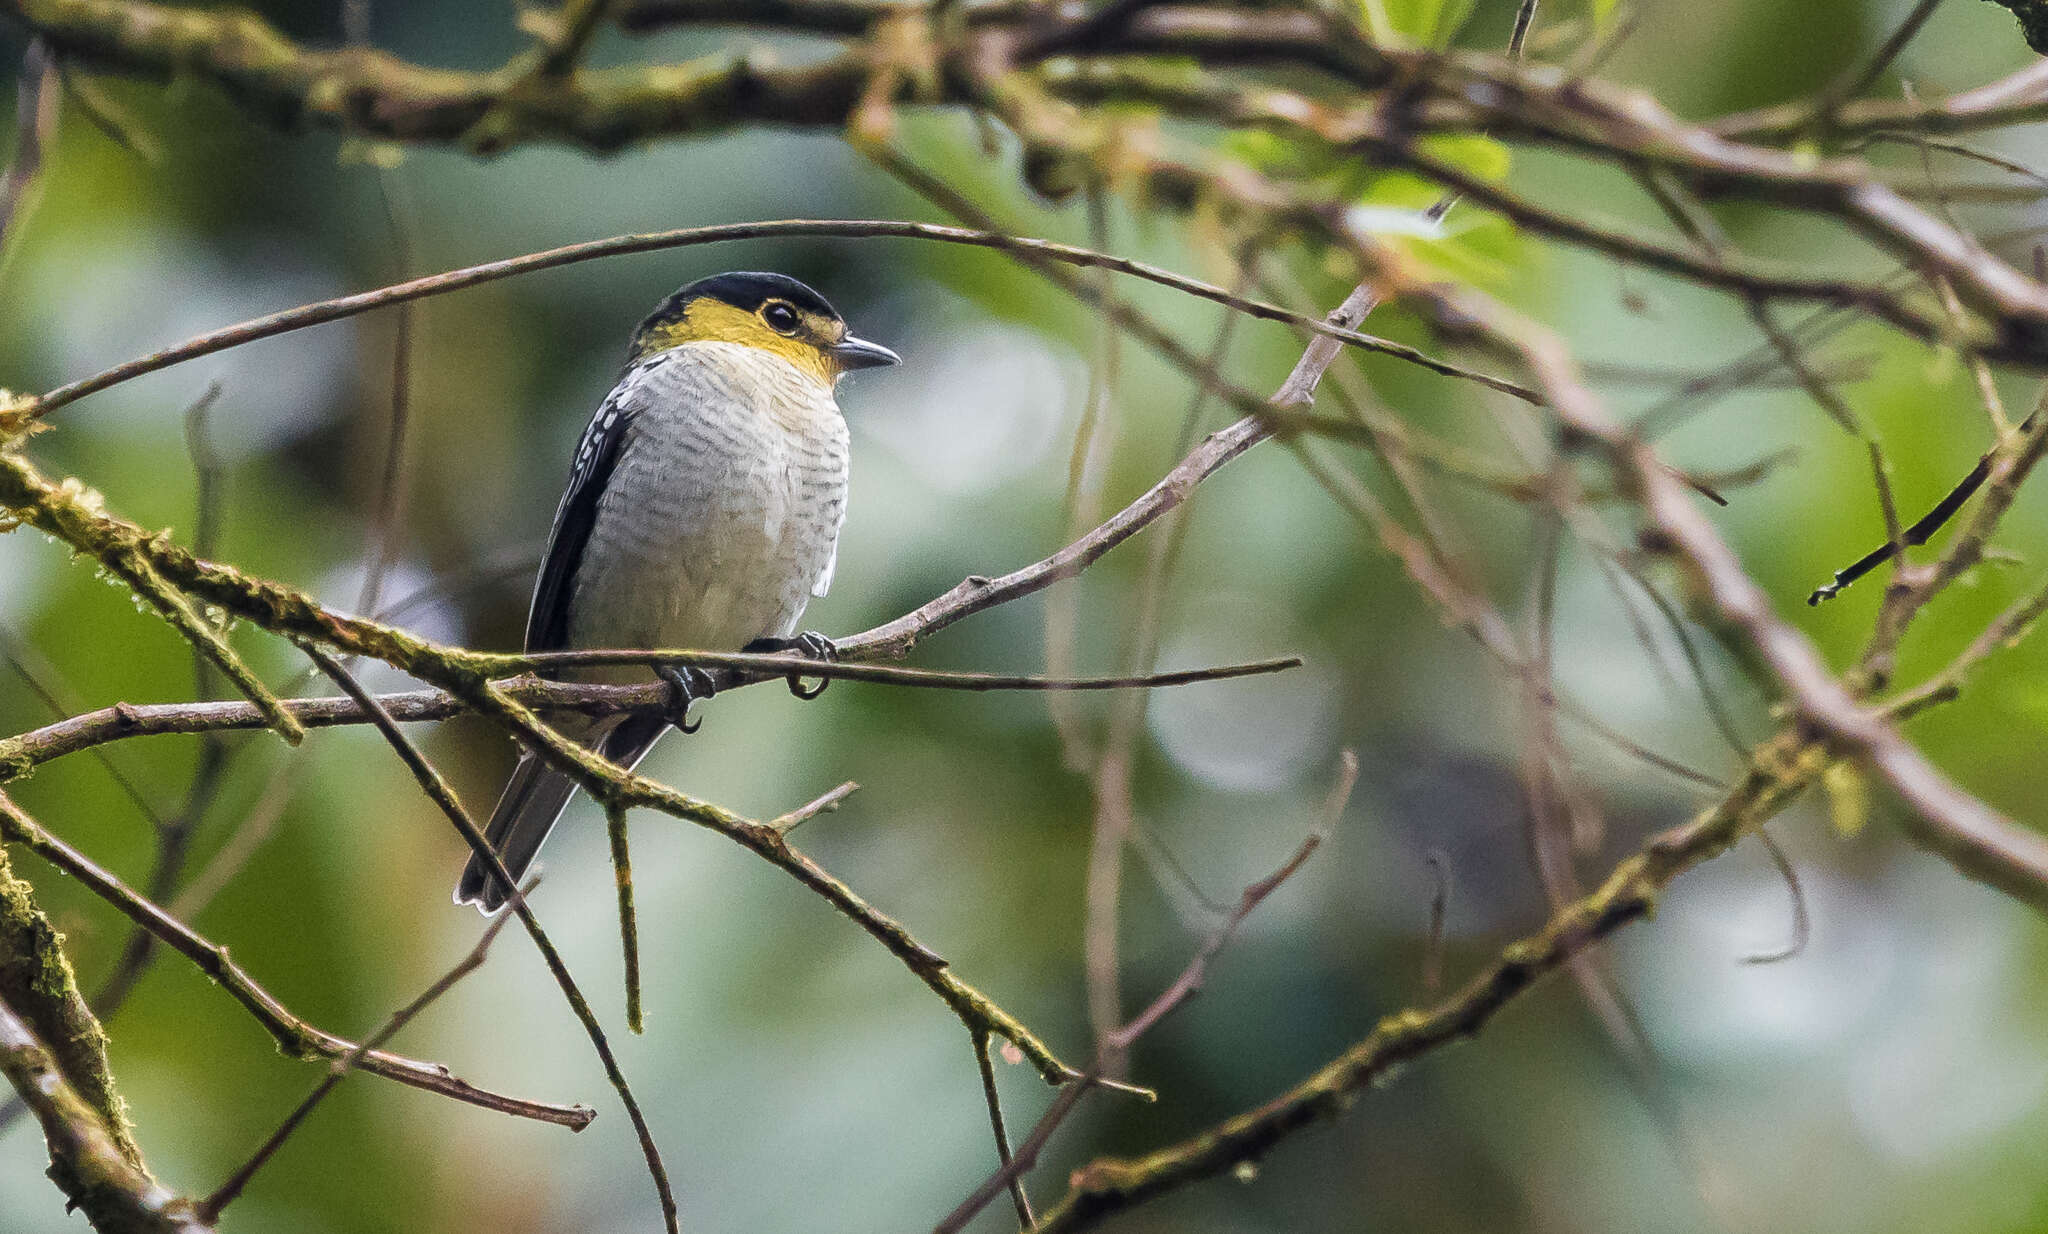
749,290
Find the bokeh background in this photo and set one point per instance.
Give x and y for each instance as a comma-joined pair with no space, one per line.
1892,1077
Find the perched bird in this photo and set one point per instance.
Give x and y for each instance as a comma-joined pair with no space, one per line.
703,511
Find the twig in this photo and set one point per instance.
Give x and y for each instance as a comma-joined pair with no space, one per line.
132,563
1802,922
1101,925
825,804
986,1064
389,503
574,26
43,680
1439,905
1111,781
1525,17
629,929
2004,632
1921,531
174,835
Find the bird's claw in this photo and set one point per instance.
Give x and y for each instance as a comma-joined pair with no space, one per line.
813,645
686,685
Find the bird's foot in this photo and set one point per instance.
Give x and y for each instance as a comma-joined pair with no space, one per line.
813,645
686,685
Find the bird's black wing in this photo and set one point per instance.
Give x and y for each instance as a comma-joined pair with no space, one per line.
597,455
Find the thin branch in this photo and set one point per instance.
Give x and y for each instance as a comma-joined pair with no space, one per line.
389,503
1922,529
295,1037
438,791
1102,924
54,693
93,729
1525,17
629,928
574,26
174,835
210,1208
1439,906
615,246
824,804
1802,921
2004,632
986,1064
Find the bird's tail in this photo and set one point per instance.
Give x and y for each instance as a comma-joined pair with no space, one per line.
533,800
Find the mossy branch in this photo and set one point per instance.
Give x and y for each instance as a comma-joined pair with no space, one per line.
69,511
61,510
1779,771
36,980
87,1160
370,93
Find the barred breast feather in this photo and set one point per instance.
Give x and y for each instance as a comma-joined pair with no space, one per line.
721,516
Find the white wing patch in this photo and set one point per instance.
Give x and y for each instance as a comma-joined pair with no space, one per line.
824,580
824,583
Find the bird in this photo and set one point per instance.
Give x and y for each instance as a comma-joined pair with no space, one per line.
703,510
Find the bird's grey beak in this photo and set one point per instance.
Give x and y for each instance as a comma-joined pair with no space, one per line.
855,353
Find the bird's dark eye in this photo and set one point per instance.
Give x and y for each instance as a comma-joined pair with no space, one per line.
781,318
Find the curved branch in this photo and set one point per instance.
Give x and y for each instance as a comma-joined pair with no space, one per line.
615,246
294,1036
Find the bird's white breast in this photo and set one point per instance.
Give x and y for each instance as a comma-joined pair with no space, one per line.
722,516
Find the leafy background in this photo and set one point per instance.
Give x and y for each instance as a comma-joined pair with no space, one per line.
1891,1077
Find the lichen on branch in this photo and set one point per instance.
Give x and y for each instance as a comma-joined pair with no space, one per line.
37,981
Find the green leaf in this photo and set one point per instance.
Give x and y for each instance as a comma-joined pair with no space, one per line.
1431,23
1476,153
1467,246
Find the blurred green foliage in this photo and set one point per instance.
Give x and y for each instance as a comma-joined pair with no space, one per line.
1891,1078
